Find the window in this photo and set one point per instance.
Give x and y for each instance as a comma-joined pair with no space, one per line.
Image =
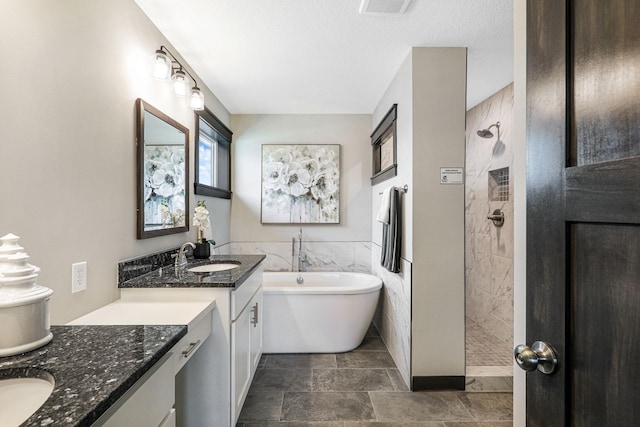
213,156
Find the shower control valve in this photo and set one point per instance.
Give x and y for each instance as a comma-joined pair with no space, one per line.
497,217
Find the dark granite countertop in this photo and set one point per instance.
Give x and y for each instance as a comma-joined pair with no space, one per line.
92,367
168,277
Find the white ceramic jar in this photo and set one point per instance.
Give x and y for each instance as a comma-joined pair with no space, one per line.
24,305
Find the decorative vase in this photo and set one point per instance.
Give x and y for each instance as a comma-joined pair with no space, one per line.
202,250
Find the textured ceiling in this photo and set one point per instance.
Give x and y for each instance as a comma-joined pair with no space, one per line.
322,56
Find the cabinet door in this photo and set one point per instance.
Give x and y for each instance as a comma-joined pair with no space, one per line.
148,402
240,361
256,330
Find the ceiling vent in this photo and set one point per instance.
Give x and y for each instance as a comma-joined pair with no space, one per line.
384,7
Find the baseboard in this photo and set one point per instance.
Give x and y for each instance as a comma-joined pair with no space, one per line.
438,383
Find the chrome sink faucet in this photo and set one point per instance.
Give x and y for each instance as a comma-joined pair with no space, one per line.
181,257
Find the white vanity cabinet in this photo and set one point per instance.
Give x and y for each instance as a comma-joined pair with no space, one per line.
212,387
150,402
246,349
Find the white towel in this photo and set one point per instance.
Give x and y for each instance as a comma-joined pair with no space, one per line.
383,212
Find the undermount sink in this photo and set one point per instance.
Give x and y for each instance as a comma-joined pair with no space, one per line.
21,397
212,268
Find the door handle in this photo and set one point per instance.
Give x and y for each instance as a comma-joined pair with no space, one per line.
540,356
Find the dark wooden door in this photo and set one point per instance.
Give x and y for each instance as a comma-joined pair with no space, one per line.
583,210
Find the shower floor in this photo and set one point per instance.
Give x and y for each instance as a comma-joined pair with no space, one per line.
489,363
485,349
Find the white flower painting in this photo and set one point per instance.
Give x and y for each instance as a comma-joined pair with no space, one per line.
301,184
164,187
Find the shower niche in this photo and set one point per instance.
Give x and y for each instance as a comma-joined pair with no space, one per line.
499,185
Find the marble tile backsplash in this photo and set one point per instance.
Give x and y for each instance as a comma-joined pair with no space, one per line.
317,256
489,249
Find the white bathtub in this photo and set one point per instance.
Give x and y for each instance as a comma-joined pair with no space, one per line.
328,313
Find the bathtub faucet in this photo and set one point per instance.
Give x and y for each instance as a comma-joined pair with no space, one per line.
301,258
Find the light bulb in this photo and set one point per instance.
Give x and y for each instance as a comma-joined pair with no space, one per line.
161,66
197,98
180,85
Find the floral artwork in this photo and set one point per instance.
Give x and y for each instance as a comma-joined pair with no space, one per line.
164,185
301,184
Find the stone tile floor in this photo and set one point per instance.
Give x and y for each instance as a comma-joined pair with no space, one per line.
361,388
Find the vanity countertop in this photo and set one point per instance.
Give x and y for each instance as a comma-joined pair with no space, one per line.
92,366
168,277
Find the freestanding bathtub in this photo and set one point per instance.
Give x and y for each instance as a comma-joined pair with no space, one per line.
327,313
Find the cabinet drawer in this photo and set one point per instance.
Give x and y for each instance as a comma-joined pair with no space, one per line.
190,343
241,296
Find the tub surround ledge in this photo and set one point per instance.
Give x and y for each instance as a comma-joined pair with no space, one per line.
93,366
168,277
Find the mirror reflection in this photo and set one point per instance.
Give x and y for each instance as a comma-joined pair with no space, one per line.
162,173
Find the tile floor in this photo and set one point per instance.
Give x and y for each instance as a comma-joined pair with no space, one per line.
489,363
484,349
361,388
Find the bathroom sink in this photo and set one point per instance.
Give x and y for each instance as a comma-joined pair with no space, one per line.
21,397
212,268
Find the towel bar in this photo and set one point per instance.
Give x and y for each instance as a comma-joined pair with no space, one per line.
403,189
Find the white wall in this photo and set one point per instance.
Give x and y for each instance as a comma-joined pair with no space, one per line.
439,107
351,131
399,91
393,319
430,90
71,73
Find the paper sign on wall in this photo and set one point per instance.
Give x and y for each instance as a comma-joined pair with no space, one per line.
451,176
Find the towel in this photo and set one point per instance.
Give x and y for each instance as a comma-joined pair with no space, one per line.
392,234
383,212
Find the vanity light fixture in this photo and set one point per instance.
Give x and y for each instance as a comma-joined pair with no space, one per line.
197,98
180,85
161,66
167,67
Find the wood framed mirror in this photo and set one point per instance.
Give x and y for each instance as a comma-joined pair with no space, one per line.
162,173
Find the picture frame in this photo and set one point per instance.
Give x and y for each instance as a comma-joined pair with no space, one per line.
384,148
300,184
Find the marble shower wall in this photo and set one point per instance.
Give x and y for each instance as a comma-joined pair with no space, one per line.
393,317
320,256
489,249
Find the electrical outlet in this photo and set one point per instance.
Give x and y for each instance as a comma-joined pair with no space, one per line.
78,277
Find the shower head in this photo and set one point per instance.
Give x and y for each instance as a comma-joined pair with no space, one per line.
486,133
